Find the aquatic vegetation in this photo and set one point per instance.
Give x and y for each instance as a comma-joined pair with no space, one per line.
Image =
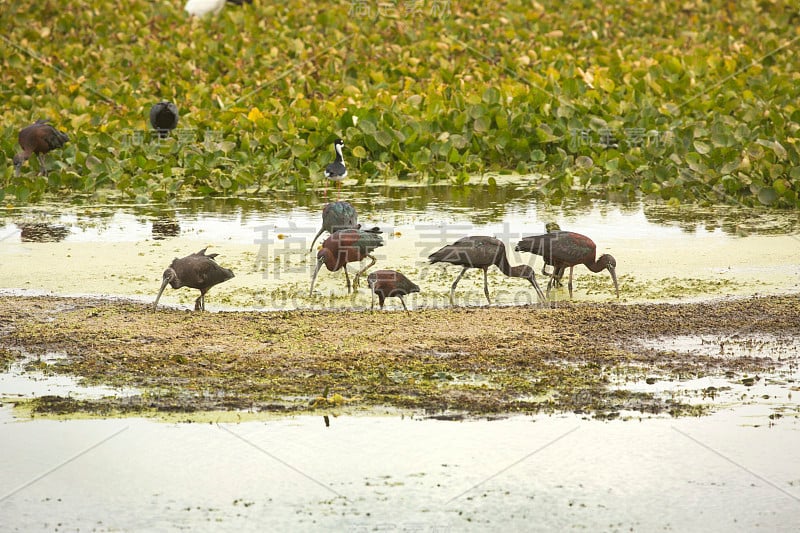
588,96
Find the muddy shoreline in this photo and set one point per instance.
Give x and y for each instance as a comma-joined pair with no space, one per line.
443,362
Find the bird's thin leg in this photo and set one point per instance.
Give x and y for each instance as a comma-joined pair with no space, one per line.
486,284
404,303
372,307
42,167
198,304
570,282
347,277
453,288
358,274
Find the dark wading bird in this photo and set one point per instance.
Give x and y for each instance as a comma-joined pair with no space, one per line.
336,171
197,271
347,246
550,227
38,138
482,252
336,216
164,118
564,249
388,283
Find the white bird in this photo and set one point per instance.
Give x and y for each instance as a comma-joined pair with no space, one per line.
200,8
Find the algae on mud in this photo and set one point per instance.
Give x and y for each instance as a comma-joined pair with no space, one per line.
468,360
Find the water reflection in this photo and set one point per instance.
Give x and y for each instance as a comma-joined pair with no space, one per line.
479,205
42,232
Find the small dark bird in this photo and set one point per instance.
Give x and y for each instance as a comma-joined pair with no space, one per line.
347,246
197,271
564,249
388,283
164,118
336,216
482,252
336,171
38,138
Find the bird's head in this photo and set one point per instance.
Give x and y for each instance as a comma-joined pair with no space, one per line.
524,271
169,277
19,159
610,264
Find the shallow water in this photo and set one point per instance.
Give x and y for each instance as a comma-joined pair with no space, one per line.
662,253
395,473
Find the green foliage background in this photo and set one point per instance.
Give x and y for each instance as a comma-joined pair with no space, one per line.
685,101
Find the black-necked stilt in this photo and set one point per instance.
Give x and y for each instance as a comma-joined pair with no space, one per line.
164,118
336,171
38,138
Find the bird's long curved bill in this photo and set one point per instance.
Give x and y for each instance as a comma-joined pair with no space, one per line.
163,286
315,238
613,272
539,292
320,262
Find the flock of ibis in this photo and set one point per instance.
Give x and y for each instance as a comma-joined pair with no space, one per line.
350,243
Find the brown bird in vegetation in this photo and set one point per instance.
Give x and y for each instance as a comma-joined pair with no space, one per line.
197,271
482,252
564,249
347,246
38,138
388,283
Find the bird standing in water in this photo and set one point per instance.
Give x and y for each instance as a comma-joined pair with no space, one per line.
164,118
197,271
38,138
336,171
388,283
482,252
336,216
347,246
564,249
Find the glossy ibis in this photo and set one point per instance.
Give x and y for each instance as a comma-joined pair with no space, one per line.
564,249
38,138
164,118
197,271
347,246
388,283
336,216
482,252
337,171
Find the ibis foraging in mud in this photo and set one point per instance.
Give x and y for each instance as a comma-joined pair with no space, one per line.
388,283
482,252
347,246
196,271
564,249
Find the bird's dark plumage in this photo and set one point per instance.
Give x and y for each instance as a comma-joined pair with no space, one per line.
337,171
38,138
164,118
564,249
482,252
336,216
197,271
388,283
347,246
